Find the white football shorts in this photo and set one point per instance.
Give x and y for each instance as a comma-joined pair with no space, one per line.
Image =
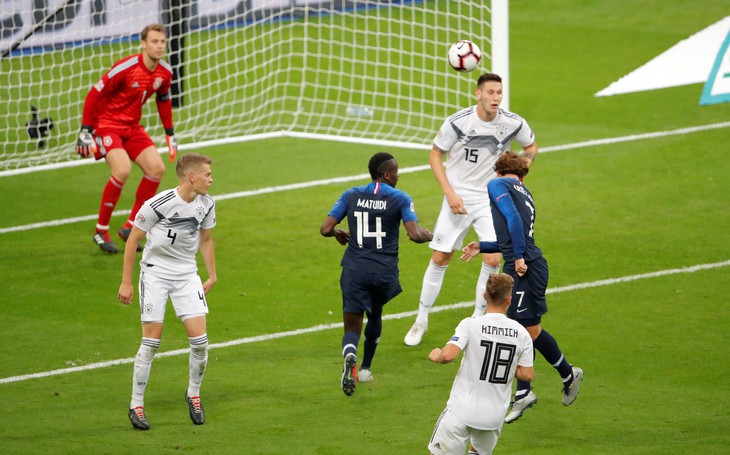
450,437
450,229
188,298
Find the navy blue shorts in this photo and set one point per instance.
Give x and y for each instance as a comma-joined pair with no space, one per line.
528,295
361,292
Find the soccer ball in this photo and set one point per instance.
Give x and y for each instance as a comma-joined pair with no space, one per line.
464,56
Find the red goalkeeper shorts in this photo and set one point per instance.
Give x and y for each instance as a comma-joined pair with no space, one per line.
133,140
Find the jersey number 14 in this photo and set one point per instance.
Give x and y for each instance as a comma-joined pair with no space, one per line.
363,229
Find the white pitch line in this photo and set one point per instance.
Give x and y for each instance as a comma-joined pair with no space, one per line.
323,327
313,183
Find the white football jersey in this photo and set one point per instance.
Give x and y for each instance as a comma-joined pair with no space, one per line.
173,228
473,146
493,346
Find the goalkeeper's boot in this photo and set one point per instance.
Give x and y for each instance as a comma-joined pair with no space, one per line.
570,393
520,406
138,419
102,239
123,234
349,374
197,414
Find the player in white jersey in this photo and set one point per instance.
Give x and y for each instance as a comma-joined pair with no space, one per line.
177,224
472,140
496,349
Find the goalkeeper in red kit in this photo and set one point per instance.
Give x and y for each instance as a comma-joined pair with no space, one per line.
110,128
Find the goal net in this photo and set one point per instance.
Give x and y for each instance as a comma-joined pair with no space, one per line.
365,71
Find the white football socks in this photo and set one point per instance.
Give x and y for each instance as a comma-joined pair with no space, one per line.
433,278
480,304
142,367
198,362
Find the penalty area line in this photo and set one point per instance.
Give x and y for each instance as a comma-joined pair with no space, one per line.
323,327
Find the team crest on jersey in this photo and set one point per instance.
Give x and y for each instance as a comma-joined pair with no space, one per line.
199,213
413,208
141,218
107,141
157,84
501,131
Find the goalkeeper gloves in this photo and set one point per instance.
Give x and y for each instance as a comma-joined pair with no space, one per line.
85,145
171,144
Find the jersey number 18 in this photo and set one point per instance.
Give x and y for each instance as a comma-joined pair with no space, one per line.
497,371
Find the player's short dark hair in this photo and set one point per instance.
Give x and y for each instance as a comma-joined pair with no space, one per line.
511,163
499,287
376,167
152,27
488,77
190,162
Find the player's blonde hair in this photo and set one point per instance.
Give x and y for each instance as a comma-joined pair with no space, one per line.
152,27
190,162
499,288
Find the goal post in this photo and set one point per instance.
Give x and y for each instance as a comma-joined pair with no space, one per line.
364,70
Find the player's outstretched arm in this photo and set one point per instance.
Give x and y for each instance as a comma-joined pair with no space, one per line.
470,251
417,233
446,355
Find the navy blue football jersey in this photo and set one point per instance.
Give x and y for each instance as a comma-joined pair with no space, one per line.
374,214
513,214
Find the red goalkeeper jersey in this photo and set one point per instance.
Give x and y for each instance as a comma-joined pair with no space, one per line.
115,102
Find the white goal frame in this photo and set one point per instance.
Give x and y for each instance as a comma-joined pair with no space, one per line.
366,71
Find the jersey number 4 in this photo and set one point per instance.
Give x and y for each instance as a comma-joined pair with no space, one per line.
363,229
497,371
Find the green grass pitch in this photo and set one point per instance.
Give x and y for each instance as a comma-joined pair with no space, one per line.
654,350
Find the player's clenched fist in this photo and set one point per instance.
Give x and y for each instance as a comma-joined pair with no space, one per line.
85,145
